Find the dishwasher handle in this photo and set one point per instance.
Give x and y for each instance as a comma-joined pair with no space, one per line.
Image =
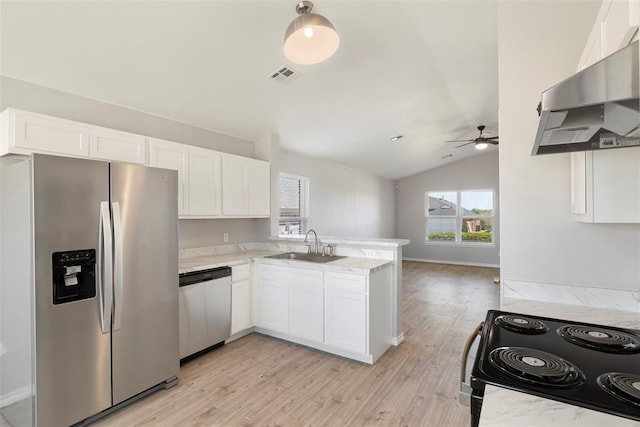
464,396
194,277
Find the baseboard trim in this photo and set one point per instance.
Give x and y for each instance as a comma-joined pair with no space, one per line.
240,334
15,396
396,341
440,261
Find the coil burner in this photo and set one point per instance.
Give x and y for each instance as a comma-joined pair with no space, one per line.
521,324
625,387
536,367
601,339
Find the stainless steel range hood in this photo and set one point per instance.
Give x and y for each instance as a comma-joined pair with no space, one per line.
597,108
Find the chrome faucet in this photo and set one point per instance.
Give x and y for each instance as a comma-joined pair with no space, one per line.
316,247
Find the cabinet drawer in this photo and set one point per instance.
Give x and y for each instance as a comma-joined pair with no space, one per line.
347,282
239,272
292,276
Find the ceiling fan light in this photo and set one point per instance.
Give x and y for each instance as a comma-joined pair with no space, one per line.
481,145
310,38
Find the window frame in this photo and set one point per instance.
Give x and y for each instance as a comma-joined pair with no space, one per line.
458,218
304,204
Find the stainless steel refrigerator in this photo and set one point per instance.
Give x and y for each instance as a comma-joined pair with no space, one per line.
102,266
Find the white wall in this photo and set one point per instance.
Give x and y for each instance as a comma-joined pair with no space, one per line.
342,201
540,44
475,173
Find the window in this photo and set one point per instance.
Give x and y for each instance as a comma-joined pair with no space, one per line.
294,204
459,216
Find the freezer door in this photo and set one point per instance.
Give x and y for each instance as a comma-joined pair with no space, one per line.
145,323
73,362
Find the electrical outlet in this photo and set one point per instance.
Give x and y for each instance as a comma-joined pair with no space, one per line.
225,237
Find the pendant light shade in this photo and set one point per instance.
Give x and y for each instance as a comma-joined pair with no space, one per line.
310,38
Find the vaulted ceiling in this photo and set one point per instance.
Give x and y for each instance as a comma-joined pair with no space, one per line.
426,70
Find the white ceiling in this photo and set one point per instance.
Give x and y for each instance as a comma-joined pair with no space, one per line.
423,69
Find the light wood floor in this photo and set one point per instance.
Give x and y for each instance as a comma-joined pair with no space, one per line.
262,381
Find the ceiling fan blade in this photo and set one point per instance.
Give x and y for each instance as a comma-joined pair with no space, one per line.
462,140
491,137
494,142
473,141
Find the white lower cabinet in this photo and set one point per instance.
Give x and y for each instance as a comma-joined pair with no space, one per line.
306,316
348,314
346,320
273,312
241,306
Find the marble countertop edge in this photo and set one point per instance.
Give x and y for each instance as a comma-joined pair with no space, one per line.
353,264
356,241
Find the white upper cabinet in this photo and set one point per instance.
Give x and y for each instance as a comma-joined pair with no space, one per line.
259,187
171,155
25,133
605,184
198,176
616,25
210,184
616,186
592,51
235,201
204,182
579,183
108,144
245,187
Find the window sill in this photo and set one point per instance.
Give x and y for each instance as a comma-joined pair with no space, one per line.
461,244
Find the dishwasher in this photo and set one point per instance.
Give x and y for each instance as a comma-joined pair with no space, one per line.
205,310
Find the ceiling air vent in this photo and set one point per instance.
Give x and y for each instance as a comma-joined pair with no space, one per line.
284,75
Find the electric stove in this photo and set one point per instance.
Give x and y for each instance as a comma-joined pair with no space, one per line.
592,366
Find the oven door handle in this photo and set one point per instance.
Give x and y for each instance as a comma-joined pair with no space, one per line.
464,397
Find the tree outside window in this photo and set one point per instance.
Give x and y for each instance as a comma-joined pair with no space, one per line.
459,216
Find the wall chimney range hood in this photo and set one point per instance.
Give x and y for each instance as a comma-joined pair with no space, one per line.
596,108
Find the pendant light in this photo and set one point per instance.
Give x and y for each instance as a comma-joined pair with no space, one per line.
310,38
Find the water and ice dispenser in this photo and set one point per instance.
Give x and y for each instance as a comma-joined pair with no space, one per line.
74,275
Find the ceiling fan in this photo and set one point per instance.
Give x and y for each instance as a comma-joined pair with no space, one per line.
481,142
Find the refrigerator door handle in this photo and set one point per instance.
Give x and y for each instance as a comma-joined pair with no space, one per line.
105,284
119,261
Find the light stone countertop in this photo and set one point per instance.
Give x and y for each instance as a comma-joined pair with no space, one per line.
348,264
203,262
507,408
358,241
598,316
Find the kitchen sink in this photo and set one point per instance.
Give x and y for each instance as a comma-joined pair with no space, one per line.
306,257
